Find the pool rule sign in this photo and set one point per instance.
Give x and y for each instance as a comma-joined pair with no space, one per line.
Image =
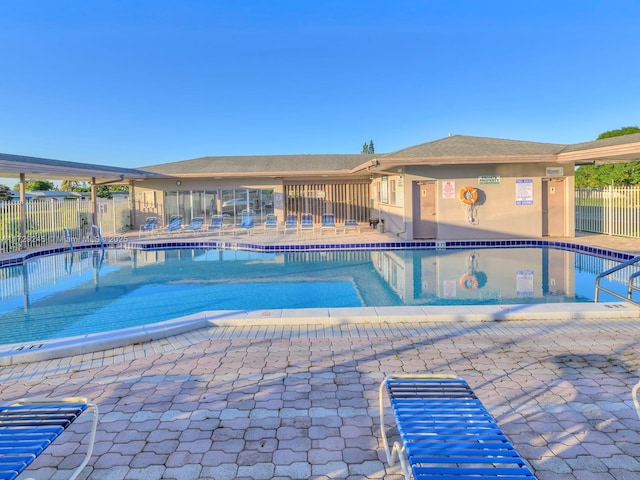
524,191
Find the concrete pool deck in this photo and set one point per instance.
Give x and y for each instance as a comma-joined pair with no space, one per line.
299,400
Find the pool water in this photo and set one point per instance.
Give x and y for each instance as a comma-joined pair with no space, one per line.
88,292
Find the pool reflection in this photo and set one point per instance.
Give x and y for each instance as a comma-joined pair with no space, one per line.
519,275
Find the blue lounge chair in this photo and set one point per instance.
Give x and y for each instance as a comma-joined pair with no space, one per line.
351,225
328,223
175,225
196,225
291,223
271,223
446,432
306,223
216,224
247,223
150,225
29,426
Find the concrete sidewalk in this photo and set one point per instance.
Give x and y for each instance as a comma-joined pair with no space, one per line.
262,402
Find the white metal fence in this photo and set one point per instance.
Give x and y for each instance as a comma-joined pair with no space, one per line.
46,221
609,210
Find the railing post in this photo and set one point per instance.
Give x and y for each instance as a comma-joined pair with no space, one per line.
610,209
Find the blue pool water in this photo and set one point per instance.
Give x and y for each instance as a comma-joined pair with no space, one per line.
88,292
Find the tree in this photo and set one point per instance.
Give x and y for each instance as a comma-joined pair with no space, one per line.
31,185
618,174
74,186
4,193
368,147
619,132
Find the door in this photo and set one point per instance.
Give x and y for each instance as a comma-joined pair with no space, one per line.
425,222
553,207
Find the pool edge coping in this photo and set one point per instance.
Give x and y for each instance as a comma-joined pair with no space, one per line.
20,353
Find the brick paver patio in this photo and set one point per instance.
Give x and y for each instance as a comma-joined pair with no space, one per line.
301,402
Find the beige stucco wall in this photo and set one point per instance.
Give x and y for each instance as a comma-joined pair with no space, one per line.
496,214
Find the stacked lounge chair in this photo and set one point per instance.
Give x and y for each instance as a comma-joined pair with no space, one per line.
328,223
174,225
291,223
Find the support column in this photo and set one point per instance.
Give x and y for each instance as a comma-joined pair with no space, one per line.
94,202
132,204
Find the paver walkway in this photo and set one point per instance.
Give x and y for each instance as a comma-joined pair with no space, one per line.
300,402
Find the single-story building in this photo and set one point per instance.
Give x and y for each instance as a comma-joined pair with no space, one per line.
458,187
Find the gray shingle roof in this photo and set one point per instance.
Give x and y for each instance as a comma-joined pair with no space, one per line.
261,164
465,146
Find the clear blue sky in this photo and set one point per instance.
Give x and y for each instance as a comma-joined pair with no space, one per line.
135,83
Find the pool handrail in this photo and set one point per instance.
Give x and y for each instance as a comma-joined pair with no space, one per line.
98,235
630,288
67,235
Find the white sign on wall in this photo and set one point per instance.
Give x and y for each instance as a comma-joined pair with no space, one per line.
554,171
448,189
488,180
524,191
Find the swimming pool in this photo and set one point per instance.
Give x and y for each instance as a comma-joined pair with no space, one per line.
91,291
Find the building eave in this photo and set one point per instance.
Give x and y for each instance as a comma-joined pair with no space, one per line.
628,152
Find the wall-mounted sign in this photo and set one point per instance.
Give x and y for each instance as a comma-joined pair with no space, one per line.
524,191
488,180
448,189
555,171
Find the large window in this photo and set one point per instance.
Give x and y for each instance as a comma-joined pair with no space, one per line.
230,203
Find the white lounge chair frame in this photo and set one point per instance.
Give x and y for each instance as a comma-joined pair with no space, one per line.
445,431
29,425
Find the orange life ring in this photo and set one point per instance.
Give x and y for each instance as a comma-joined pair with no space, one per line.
468,281
468,195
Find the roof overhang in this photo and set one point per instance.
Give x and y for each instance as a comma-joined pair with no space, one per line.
381,165
628,152
12,166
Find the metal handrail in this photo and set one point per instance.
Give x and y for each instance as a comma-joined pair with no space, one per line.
68,237
600,276
631,287
98,235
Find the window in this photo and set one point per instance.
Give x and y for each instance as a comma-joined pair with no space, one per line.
392,192
384,189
